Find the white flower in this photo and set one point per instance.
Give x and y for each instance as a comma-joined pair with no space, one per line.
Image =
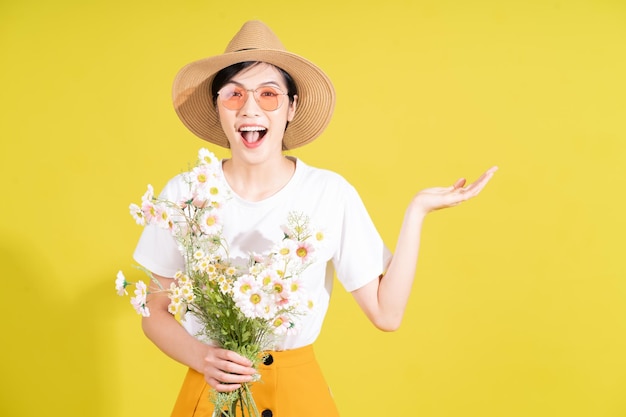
139,300
120,284
294,295
149,195
225,286
200,175
174,290
210,223
255,269
245,284
295,286
217,193
174,307
266,278
206,157
187,293
285,248
182,279
255,304
137,214
212,193
177,305
205,265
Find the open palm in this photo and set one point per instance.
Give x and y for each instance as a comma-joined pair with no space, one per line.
436,198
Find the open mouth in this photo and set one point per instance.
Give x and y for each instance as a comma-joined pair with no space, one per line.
252,134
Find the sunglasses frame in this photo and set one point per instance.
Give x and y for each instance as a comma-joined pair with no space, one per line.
255,93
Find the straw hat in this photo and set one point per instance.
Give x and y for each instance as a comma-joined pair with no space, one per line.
254,42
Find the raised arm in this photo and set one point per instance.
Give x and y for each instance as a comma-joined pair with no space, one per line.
384,300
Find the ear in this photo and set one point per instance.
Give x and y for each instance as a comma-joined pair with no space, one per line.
291,113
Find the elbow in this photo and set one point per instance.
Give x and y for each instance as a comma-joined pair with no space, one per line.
388,325
147,326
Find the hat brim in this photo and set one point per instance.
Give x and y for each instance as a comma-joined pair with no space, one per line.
194,104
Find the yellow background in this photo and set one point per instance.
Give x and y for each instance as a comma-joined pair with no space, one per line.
519,306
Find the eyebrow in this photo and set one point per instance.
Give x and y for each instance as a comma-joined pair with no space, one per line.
266,83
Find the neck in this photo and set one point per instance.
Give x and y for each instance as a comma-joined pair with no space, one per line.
258,182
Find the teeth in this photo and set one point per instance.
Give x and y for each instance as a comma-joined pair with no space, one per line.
252,129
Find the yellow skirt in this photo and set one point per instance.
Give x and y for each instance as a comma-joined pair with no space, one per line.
292,385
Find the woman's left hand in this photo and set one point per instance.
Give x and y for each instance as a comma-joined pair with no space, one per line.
436,198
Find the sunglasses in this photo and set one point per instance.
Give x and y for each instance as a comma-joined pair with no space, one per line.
233,97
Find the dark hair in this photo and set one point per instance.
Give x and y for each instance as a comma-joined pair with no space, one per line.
224,76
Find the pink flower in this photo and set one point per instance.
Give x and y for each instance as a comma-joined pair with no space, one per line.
282,324
200,175
244,285
162,219
304,250
199,202
139,300
281,290
150,211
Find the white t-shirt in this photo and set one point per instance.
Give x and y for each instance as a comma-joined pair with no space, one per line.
352,246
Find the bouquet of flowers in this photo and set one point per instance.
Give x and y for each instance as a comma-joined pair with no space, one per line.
241,307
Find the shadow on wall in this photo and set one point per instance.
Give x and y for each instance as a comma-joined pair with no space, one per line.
52,362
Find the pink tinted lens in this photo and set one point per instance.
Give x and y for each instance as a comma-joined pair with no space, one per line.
233,97
268,98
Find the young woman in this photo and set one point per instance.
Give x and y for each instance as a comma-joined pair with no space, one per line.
257,99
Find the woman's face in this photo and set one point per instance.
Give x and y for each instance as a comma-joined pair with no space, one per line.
256,135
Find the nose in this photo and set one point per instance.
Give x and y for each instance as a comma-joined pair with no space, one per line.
250,106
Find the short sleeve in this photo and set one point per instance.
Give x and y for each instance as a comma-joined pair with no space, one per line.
157,249
362,255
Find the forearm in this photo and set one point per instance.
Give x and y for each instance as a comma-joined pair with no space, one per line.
162,328
384,300
171,338
395,287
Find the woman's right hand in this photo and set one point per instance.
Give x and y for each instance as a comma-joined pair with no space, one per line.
225,370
